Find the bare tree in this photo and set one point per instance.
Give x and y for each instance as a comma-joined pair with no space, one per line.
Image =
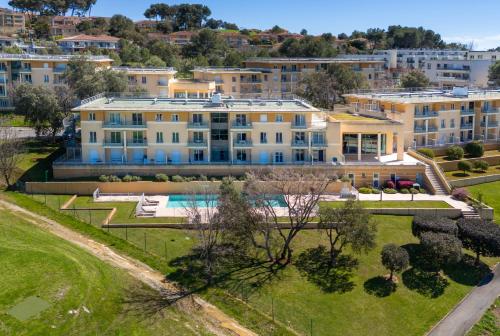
284,201
10,149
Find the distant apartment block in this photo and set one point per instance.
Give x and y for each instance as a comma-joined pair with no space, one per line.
65,25
436,117
82,42
11,22
448,74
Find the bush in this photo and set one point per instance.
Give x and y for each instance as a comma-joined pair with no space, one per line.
390,191
414,191
405,184
161,178
482,237
177,178
127,178
460,194
390,184
103,178
114,178
376,191
202,178
454,153
427,152
481,165
434,224
404,191
213,179
423,191
464,166
136,178
365,190
345,178
474,149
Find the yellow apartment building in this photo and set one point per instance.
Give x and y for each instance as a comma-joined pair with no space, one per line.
11,22
436,117
36,69
219,136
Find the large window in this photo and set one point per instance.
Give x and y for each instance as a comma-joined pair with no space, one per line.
241,155
219,117
116,137
219,134
368,143
92,137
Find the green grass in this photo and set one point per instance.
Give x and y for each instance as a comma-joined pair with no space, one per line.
35,264
393,204
13,120
489,325
491,152
459,174
490,193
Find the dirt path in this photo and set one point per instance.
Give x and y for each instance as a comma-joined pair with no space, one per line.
198,309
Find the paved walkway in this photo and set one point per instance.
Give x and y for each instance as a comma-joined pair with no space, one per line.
463,317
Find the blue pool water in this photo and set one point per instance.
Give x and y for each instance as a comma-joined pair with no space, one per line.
184,201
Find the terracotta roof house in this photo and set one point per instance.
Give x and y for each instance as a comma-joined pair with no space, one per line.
81,42
181,37
235,39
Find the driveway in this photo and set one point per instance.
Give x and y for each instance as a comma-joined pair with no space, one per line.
471,309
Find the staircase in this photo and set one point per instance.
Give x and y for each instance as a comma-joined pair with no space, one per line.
440,190
470,214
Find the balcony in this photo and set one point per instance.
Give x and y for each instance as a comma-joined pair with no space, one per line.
432,129
59,70
250,81
241,125
319,144
3,80
491,110
242,143
162,83
466,126
112,144
124,124
419,129
138,144
299,144
301,125
467,112
198,125
197,144
491,124
423,115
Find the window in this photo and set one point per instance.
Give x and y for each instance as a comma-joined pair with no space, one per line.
452,106
279,118
159,137
137,119
263,117
46,78
144,80
318,138
92,116
197,119
452,123
175,117
443,123
219,134
198,137
116,137
159,117
263,137
92,137
198,155
220,118
233,79
278,157
279,137
300,120
241,155
175,137
299,155
138,137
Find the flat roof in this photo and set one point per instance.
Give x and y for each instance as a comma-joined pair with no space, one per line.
65,58
169,70
230,70
308,60
347,117
194,105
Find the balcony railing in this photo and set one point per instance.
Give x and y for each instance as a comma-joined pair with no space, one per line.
197,125
124,124
241,125
432,129
242,143
142,143
108,143
491,110
299,125
490,124
430,114
197,143
466,126
300,143
319,144
467,112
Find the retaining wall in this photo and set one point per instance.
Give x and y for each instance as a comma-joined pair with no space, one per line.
453,165
475,180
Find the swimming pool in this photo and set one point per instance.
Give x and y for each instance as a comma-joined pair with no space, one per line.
184,201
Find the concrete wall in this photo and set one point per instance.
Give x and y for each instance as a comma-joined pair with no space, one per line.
453,165
450,213
475,180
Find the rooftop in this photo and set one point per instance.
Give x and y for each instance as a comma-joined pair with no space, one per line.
356,118
203,105
34,57
429,96
145,70
272,60
215,69
84,37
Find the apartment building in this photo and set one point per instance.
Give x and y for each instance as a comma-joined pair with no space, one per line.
436,117
36,69
230,136
484,55
11,22
451,73
82,42
65,25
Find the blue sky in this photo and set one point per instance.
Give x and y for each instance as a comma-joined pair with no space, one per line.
455,20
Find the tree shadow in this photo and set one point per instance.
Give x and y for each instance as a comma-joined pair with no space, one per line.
379,286
460,174
426,283
315,265
466,272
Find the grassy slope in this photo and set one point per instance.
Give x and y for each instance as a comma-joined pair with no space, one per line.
489,325
459,174
491,195
394,204
37,263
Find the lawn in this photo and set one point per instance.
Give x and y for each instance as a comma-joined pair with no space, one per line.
492,152
490,193
489,325
459,174
394,204
37,265
13,120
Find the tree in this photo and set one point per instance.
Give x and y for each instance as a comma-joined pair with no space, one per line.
166,51
187,16
309,46
481,165
303,32
213,24
158,11
494,74
394,258
474,149
480,236
465,166
155,62
324,89
82,77
454,153
277,30
423,223
350,225
440,249
414,79
121,26
114,81
205,43
10,149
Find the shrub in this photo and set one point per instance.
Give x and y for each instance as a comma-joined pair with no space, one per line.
394,258
114,178
423,191
136,178
427,152
474,149
480,236
414,191
390,184
434,224
464,166
202,178
103,178
365,190
177,178
161,178
440,249
345,178
390,191
127,178
454,153
404,191
481,165
405,184
376,191
213,179
460,194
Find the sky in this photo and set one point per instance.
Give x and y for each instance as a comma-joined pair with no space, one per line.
462,21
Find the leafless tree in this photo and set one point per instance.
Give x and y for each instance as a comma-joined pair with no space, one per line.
299,191
10,149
